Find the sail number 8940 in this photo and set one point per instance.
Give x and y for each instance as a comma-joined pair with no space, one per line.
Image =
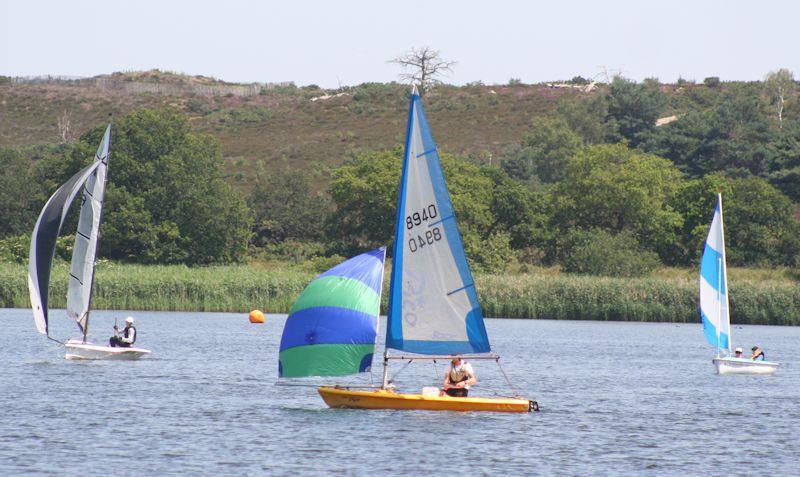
431,236
417,218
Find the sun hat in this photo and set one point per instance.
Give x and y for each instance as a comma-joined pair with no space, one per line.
129,319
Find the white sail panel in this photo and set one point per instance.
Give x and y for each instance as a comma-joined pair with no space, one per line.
434,305
84,252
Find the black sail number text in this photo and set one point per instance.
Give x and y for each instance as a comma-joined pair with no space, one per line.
420,241
423,215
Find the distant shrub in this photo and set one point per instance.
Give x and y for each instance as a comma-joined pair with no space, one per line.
5,79
712,82
579,80
490,255
514,82
598,252
14,249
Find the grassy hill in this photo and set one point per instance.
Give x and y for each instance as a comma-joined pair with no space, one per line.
281,124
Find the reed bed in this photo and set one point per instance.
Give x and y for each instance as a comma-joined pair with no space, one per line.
554,296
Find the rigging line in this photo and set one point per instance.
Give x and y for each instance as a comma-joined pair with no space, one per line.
508,381
53,339
400,370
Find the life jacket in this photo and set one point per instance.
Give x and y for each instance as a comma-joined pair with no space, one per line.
127,331
760,356
460,375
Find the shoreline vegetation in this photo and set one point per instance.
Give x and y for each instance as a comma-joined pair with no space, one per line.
757,296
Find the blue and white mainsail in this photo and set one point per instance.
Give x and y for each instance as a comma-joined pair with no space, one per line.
433,306
714,285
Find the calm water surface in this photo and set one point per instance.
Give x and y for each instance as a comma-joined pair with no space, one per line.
617,398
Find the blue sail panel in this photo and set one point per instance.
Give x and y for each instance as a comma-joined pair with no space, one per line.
332,328
434,307
713,285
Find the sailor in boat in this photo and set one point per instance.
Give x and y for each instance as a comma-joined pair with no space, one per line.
757,355
124,338
458,378
737,353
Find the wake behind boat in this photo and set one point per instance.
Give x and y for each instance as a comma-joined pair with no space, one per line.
91,181
714,310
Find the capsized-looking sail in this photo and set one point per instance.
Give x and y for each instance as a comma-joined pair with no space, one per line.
43,243
84,252
713,285
434,308
332,326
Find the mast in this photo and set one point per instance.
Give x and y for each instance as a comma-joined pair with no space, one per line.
397,247
724,274
97,245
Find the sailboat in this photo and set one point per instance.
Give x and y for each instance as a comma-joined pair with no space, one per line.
434,311
91,182
714,310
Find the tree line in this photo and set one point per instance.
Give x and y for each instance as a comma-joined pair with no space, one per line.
597,186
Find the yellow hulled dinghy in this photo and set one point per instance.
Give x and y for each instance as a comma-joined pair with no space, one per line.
434,311
338,397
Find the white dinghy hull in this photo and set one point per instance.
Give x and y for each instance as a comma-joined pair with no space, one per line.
77,349
743,366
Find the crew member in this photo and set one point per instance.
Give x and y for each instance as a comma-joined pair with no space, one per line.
758,355
458,378
126,337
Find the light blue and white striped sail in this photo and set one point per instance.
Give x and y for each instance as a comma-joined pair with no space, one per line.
433,307
714,285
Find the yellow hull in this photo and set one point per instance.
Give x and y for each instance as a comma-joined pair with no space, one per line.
383,399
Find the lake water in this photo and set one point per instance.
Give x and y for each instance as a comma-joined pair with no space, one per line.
616,398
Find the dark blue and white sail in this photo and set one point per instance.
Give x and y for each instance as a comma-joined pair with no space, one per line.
434,307
47,228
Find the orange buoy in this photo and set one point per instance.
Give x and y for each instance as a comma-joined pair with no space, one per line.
256,316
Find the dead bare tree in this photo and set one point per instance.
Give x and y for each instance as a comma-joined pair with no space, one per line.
780,85
423,66
64,132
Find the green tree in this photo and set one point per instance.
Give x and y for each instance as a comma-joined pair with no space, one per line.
286,207
364,191
167,201
615,188
760,226
19,197
543,152
634,107
586,116
599,252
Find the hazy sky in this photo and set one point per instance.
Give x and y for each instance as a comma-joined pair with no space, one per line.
349,41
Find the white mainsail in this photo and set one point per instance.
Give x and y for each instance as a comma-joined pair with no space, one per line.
84,254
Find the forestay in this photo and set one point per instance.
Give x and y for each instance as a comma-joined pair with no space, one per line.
713,285
434,308
331,328
84,253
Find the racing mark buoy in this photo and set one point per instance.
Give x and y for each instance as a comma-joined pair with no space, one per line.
256,316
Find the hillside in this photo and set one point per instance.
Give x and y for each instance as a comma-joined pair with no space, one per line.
276,122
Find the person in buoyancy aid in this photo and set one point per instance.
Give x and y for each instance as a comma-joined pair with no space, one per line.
458,378
758,355
126,337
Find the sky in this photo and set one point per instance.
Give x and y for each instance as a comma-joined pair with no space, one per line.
348,42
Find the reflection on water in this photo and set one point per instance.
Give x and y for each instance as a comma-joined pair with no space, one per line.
616,398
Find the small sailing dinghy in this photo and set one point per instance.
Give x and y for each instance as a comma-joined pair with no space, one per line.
714,304
434,311
92,181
